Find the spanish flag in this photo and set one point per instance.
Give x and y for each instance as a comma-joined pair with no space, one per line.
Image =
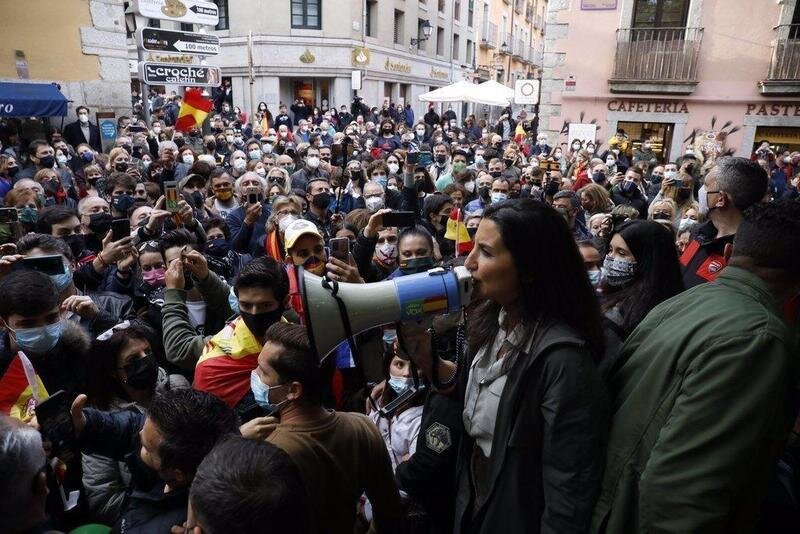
194,110
17,398
519,134
457,231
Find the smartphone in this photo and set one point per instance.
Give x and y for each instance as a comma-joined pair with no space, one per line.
340,248
252,195
120,229
398,219
412,158
137,128
171,197
8,215
425,159
49,265
55,420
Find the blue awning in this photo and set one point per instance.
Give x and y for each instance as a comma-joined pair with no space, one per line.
31,100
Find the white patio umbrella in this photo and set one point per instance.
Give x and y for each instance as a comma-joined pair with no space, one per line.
455,92
494,90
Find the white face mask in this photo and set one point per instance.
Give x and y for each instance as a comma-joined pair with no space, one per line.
285,221
229,139
590,150
479,159
611,162
702,198
420,132
387,253
84,118
239,164
62,159
261,172
312,162
157,130
393,168
188,159
374,204
469,186
267,148
670,175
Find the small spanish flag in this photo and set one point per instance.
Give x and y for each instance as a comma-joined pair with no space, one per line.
519,134
194,110
457,231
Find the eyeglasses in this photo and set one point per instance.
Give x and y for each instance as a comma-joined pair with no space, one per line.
105,336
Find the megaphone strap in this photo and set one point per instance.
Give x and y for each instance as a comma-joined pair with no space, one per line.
333,287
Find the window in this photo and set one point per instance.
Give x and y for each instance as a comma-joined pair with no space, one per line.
456,9
187,27
398,26
306,14
469,52
223,23
660,13
440,41
441,6
372,18
456,43
471,13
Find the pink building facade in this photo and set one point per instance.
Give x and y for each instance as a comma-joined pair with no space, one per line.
663,69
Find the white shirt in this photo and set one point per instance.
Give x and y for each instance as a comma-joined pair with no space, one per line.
400,433
197,314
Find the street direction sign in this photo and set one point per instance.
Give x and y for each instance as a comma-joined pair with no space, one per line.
171,41
174,73
186,11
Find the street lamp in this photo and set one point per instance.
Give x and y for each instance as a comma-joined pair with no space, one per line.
427,30
504,48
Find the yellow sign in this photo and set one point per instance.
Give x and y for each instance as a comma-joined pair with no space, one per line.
307,57
170,59
440,74
360,56
395,66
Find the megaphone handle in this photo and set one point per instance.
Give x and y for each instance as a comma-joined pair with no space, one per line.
435,358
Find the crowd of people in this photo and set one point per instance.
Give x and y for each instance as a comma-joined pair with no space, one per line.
628,361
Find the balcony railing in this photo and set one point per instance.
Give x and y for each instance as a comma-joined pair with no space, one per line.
785,63
488,34
657,54
518,49
508,40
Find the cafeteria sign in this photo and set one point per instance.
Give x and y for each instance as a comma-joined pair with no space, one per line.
170,73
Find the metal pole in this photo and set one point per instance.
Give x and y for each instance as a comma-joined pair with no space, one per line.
143,88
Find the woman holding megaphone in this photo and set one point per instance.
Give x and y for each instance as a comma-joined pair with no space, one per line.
533,407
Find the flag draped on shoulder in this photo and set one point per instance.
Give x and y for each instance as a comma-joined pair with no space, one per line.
194,110
457,231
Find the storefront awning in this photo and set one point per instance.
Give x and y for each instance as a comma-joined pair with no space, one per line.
31,100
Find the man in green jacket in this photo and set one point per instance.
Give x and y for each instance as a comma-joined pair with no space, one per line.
702,401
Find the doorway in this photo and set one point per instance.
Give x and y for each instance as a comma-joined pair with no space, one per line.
659,133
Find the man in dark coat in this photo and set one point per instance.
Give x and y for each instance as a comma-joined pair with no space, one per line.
83,131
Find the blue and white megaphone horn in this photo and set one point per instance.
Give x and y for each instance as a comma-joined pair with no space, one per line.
329,306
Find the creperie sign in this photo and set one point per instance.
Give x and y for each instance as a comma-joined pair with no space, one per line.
169,73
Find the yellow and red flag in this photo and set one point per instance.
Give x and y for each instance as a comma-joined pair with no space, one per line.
457,231
194,110
20,388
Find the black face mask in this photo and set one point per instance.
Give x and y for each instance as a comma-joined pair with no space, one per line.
472,231
217,247
197,199
12,171
142,373
258,323
513,194
100,223
441,159
121,166
484,192
416,265
180,142
77,244
321,200
211,146
47,162
509,162
128,148
684,194
496,174
551,188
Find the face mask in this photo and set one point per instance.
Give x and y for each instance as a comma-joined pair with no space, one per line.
386,253
685,224
76,242
217,247
393,168
458,167
146,164
598,177
261,172
312,162
703,200
233,302
83,118
267,149
400,384
239,164
416,265
484,192
576,147
229,139
261,393
472,231
392,187
590,150
12,171
618,272
611,162
551,188
374,204
62,281
121,166
210,146
469,186
508,162
615,150
47,162
100,223
238,141
154,277
499,197
127,148
285,221
157,130
224,195
322,200
646,146
496,174
479,159
557,155
62,159
142,373
441,159
38,339
670,175
254,154
179,142
684,194
314,265
420,132
595,277
123,203
28,215
188,159
628,187
258,323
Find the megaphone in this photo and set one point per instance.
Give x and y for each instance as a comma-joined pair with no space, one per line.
333,311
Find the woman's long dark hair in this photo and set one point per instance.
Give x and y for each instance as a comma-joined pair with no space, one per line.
102,384
658,272
553,280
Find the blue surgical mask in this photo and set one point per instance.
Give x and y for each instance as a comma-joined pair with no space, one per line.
618,272
261,393
400,384
38,339
233,301
62,281
499,197
595,277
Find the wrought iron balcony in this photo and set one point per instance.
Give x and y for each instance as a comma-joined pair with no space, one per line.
656,60
488,34
784,67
